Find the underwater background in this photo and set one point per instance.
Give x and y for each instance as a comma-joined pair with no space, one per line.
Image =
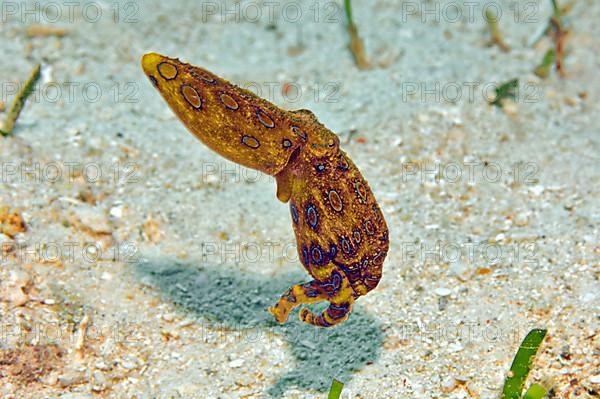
137,263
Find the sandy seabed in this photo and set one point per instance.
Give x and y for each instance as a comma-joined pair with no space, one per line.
145,262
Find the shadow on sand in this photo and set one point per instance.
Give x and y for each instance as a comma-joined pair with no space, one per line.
237,300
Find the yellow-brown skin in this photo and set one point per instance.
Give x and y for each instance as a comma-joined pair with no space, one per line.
341,234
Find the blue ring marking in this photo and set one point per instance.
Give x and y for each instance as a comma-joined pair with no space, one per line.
356,236
320,168
340,310
197,75
353,273
289,296
343,164
286,143
229,106
346,245
309,290
369,227
294,213
265,119
312,216
377,212
317,254
305,256
299,132
322,322
377,259
332,251
188,100
254,145
161,74
342,307
360,190
384,237
335,200
336,282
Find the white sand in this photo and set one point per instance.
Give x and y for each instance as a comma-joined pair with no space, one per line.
176,324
